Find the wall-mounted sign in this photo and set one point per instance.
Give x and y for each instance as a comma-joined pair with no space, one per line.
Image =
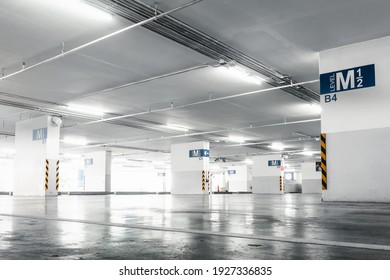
40,134
231,172
318,166
88,161
161,174
199,153
274,163
348,79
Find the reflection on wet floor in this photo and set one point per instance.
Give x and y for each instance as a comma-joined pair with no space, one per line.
72,234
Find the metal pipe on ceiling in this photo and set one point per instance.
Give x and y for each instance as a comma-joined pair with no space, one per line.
124,141
209,100
65,53
166,75
178,31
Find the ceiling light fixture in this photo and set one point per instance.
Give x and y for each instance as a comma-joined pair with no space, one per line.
241,73
276,146
176,127
81,9
86,110
308,153
236,139
316,108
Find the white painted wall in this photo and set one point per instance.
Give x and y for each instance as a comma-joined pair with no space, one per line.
359,166
98,175
6,174
72,175
238,182
139,180
266,179
186,171
362,108
357,127
311,179
31,155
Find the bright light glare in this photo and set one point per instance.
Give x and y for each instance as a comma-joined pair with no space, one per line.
308,153
75,140
277,146
176,127
86,110
315,108
7,151
249,161
242,74
236,139
79,8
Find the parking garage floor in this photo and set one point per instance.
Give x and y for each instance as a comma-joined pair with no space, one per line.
222,226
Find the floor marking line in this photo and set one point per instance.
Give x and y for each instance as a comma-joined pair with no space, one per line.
213,233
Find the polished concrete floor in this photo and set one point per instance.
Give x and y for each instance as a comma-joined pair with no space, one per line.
241,226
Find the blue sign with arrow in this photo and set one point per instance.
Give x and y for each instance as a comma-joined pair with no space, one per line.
199,153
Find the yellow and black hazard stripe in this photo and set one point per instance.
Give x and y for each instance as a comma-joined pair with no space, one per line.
281,183
57,175
47,175
203,180
323,162
208,180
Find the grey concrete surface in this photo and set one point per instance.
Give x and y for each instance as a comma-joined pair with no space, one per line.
237,226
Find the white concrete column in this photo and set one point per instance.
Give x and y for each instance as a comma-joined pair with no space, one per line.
238,178
188,161
36,141
311,177
97,171
266,174
355,118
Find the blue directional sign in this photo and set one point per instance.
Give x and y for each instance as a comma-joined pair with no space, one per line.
199,153
348,79
231,172
274,163
40,134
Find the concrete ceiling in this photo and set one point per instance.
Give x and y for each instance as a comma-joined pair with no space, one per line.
284,35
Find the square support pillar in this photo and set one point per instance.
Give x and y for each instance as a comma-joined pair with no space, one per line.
190,165
37,143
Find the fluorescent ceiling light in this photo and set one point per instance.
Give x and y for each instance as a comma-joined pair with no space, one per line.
75,140
277,146
176,127
236,139
79,8
86,110
7,151
308,153
315,108
244,75
249,161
